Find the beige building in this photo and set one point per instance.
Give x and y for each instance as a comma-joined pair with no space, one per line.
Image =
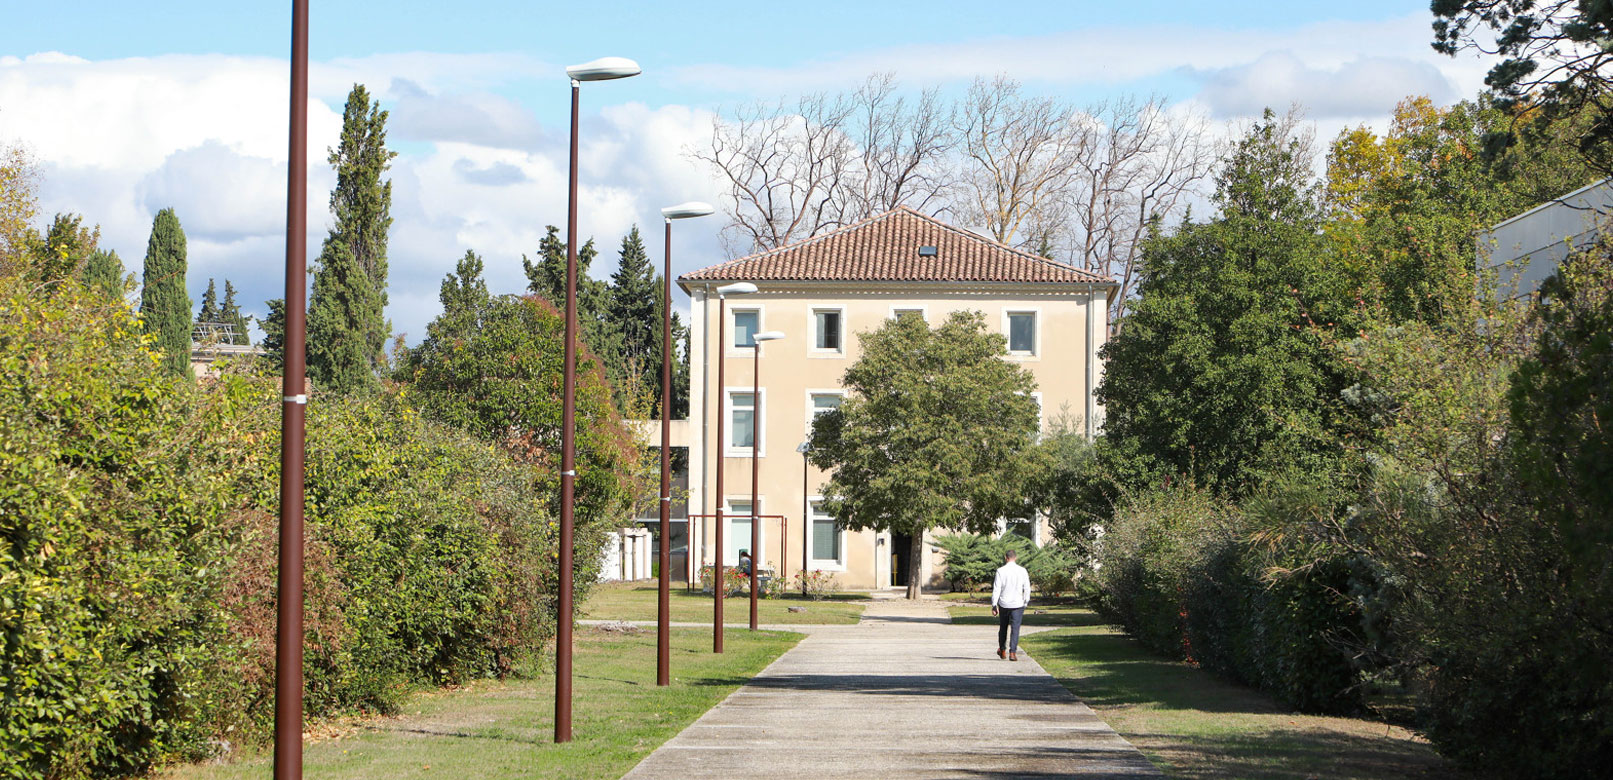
821,293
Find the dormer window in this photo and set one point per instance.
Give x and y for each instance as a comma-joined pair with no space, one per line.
927,251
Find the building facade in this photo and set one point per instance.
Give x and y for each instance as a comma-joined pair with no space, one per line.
821,293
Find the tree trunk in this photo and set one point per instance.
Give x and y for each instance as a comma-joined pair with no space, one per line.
914,550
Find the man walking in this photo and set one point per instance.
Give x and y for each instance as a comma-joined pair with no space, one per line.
1010,592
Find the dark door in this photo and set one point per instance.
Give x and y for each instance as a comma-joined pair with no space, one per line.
901,551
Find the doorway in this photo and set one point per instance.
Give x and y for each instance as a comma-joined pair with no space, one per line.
901,551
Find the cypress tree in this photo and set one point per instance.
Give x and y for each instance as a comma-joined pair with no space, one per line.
274,335
346,312
230,314
164,303
341,356
209,311
104,271
463,294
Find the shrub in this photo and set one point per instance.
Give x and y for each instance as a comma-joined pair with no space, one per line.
137,574
817,584
972,559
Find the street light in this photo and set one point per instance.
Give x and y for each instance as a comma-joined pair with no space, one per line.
288,681
806,513
598,70
737,288
663,619
755,459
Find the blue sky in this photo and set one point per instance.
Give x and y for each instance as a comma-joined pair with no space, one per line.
130,109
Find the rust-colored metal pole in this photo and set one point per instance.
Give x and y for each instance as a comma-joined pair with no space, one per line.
722,447
806,523
568,454
755,459
663,618
293,407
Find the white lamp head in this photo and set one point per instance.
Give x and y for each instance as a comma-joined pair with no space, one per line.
604,69
768,335
737,288
804,447
693,208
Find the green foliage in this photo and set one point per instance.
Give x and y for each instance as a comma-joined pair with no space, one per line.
65,249
502,383
342,310
1181,570
164,303
937,432
972,559
104,271
137,573
230,313
347,327
209,311
274,336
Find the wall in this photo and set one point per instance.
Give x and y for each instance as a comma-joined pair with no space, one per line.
1071,328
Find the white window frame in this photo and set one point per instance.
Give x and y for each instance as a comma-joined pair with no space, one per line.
811,410
760,409
761,327
814,562
813,350
728,533
923,309
1036,332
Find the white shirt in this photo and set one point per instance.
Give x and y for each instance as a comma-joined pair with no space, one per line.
1012,588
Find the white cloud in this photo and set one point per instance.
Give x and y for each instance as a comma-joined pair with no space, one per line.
1369,86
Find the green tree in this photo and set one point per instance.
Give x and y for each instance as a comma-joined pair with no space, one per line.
633,307
19,200
209,311
164,303
342,310
937,433
595,327
104,271
1219,374
274,335
65,249
347,327
230,313
464,299
501,381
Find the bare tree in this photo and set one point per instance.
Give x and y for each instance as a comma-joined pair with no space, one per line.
1140,166
794,171
903,149
785,169
1019,160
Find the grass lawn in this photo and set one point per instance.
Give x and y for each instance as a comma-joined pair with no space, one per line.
636,601
505,729
975,609
1194,725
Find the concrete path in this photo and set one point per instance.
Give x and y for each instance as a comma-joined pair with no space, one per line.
903,694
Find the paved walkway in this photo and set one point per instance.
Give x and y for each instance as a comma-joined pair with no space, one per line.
903,694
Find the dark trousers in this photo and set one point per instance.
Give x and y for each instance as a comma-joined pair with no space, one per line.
1006,618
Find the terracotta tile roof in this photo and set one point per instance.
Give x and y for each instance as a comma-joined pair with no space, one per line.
885,248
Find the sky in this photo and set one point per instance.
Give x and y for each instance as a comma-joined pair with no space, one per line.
133,107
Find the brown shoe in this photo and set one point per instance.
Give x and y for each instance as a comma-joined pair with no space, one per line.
1013,656
1001,653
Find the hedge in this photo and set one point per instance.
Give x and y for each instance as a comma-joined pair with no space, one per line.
137,573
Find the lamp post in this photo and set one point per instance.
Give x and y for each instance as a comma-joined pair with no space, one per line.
293,408
737,288
755,460
598,70
663,618
806,513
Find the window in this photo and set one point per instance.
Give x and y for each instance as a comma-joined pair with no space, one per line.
825,402
1021,527
827,330
742,420
746,323
1022,332
738,531
897,314
825,536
